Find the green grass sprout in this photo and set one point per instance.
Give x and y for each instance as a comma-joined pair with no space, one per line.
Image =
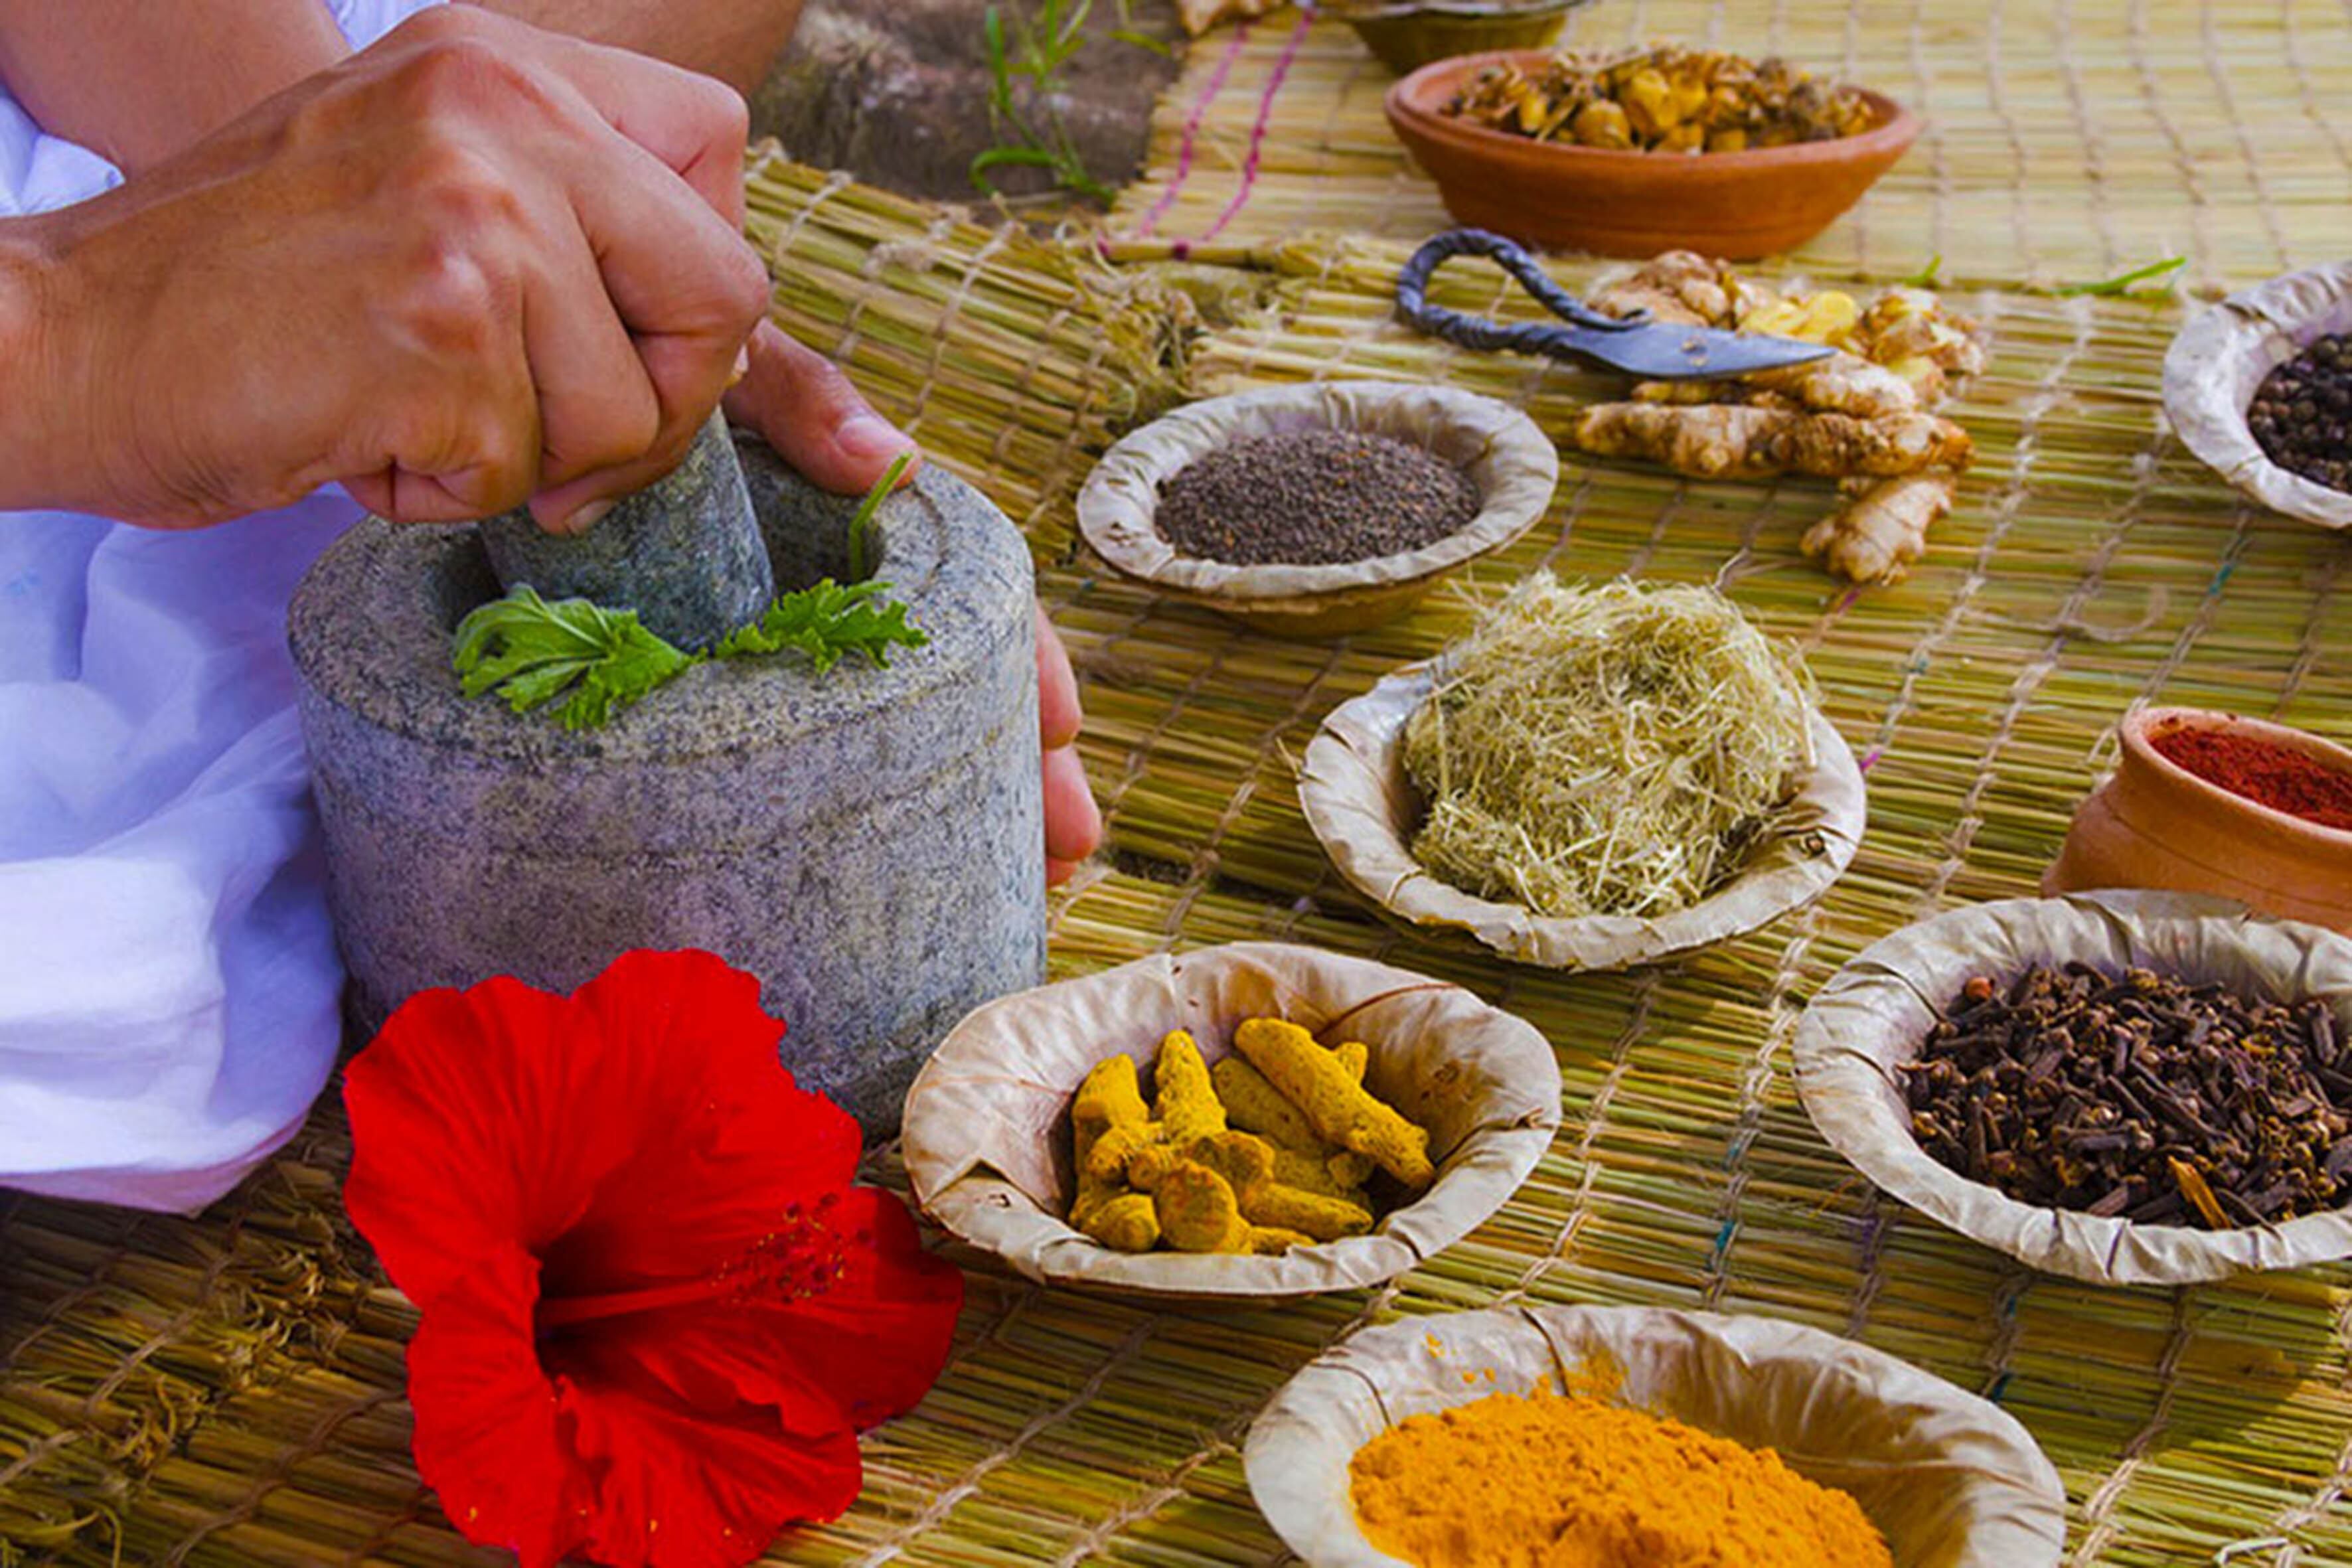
2122,286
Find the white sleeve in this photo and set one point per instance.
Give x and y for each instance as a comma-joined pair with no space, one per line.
39,173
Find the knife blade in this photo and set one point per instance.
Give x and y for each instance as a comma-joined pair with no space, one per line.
1664,352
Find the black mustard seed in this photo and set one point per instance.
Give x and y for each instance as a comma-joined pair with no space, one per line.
1313,498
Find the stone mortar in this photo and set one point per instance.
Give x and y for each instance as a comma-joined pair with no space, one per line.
867,842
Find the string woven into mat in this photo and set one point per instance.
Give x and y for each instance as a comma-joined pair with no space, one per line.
226,1391
2066,141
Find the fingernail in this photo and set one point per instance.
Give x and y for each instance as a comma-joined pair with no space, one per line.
586,518
869,436
742,364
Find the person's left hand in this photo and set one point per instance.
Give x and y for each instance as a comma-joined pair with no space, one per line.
803,406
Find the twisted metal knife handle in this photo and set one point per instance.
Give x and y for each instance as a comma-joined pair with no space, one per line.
1478,333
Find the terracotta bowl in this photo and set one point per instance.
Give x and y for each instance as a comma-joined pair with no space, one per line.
2157,825
1738,206
1409,33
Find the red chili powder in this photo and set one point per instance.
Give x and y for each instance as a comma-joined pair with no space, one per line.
2262,772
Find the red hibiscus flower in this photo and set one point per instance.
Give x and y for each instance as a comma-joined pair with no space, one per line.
655,1312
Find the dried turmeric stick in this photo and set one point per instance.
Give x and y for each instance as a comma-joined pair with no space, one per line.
1109,1120
1198,1210
1334,1104
1355,1056
1247,1165
1881,526
1253,1103
1126,1222
1739,441
1186,1104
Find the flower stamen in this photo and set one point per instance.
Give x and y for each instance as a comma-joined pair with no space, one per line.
796,1263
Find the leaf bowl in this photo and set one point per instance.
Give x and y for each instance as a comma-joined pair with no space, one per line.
987,1140
1949,1480
2217,364
1874,1013
1364,808
1513,464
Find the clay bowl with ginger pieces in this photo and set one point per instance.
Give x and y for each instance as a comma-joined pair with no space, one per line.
2157,825
1620,202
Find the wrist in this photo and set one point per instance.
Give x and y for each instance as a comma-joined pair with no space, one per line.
40,384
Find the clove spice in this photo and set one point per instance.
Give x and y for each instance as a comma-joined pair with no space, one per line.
2143,1096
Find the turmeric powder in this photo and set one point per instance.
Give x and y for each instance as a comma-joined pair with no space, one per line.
1566,1481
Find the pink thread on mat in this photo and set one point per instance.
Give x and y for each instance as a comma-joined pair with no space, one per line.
1258,131
1870,759
1209,91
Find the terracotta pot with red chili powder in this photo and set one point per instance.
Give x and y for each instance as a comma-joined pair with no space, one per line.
2211,803
2265,774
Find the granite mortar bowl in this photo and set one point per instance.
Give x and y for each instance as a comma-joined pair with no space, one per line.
1619,202
865,841
2157,825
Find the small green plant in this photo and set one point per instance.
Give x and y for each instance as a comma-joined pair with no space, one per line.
593,662
2124,284
1024,63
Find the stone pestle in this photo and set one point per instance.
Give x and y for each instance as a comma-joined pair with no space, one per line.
685,553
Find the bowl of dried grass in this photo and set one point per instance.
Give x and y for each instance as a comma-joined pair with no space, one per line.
1593,778
1509,466
988,1126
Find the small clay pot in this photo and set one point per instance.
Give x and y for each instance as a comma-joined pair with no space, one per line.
1409,33
1737,206
2157,825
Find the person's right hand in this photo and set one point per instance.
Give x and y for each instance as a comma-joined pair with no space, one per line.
475,266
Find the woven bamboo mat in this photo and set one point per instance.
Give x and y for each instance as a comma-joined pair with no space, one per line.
226,1391
2067,139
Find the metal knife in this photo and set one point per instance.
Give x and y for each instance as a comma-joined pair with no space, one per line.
1637,345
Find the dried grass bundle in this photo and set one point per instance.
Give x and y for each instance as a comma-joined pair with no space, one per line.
1605,751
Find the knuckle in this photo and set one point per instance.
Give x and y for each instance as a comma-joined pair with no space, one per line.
745,287
449,307
448,186
462,74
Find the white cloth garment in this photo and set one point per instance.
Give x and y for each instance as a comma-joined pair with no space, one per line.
168,984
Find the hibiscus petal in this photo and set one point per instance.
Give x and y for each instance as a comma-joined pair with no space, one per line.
475,1130
684,1489
490,1436
867,1349
727,1144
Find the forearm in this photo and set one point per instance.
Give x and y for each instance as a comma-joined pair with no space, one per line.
137,81
34,463
734,40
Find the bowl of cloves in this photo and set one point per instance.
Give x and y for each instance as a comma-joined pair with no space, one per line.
1317,509
2123,1087
2260,388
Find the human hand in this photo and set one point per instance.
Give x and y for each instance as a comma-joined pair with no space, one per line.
803,406
475,266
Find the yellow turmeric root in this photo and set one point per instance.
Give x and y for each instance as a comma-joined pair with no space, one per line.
1735,441
1881,527
1680,286
1109,1120
1199,1211
1334,1104
1303,1160
1186,1106
1129,1222
1355,1056
1247,1165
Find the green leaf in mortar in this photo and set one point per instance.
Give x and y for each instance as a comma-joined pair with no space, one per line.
826,622
532,652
